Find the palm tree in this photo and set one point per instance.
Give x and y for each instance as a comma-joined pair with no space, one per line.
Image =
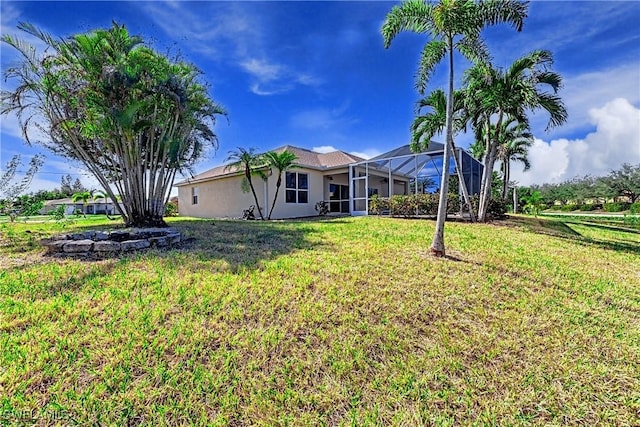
424,127
496,94
82,196
281,162
97,195
516,139
133,117
451,25
249,162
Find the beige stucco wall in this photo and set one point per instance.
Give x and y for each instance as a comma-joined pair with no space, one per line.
223,198
220,198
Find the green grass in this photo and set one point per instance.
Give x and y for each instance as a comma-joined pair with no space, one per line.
335,322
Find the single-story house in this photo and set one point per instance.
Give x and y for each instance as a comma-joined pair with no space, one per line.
342,180
99,206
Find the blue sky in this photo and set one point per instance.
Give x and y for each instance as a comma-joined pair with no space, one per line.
316,75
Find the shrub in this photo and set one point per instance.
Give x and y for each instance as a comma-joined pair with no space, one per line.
635,208
57,213
171,209
616,207
497,208
568,208
378,205
588,207
402,206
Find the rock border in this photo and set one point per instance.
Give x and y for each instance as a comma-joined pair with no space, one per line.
111,242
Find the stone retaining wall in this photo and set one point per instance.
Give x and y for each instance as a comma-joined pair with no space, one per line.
109,242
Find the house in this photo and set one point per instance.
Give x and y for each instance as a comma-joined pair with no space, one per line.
217,193
99,206
344,181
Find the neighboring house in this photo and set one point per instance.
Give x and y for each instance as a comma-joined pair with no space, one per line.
99,206
343,180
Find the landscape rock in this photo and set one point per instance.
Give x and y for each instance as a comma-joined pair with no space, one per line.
92,243
78,246
129,245
106,246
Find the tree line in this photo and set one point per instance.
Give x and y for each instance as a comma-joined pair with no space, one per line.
615,191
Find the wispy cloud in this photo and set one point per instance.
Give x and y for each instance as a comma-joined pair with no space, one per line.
229,31
323,119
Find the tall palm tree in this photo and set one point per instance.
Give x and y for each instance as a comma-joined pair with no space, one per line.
425,126
281,162
494,95
516,139
249,162
451,25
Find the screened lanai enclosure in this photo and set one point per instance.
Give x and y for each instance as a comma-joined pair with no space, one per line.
401,172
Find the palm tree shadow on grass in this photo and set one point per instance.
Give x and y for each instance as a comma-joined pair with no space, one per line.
562,229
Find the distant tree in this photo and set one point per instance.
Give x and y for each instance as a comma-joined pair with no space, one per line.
65,185
516,139
78,187
133,117
281,162
451,25
10,190
250,164
625,181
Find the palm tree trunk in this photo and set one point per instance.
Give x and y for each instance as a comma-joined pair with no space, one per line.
275,198
463,183
437,245
487,173
506,177
253,190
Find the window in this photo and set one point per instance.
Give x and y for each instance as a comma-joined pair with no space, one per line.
194,195
297,187
338,198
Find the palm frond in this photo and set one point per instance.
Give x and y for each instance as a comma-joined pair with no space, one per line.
412,15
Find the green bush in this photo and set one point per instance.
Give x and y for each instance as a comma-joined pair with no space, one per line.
635,208
616,207
497,208
569,208
586,207
410,205
171,209
378,205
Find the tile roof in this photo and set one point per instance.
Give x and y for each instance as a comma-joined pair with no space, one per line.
305,158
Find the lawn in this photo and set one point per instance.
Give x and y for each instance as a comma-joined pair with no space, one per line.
346,321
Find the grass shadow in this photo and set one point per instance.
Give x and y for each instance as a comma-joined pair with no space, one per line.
561,228
238,245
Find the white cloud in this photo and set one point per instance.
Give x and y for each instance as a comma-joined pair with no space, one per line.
615,141
324,149
583,92
365,154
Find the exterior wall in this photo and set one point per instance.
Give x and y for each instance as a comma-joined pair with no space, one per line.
220,198
223,198
317,190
